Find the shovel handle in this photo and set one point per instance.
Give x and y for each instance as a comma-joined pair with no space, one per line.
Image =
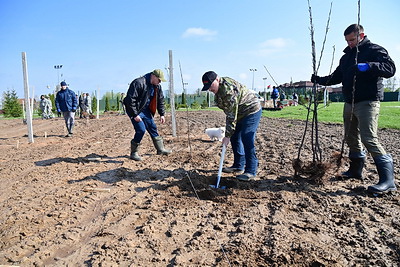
221,163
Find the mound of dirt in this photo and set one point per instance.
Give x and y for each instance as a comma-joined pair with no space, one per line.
81,201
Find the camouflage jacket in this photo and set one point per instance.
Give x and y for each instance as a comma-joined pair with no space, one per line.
236,101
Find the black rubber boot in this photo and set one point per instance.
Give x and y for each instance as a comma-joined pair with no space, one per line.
357,162
134,151
159,145
384,165
355,169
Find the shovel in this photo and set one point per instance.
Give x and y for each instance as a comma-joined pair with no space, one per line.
221,163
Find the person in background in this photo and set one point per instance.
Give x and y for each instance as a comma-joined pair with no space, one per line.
243,114
49,108
361,71
123,112
282,96
295,99
143,99
82,106
89,103
274,95
66,103
43,104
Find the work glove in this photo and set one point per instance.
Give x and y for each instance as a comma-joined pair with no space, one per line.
363,67
315,78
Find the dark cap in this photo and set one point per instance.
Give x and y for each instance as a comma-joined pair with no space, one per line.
208,79
63,83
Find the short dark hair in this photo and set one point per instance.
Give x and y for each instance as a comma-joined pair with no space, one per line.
356,28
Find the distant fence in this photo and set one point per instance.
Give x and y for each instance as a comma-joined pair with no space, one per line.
387,97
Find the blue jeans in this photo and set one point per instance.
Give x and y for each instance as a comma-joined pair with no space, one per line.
147,123
242,140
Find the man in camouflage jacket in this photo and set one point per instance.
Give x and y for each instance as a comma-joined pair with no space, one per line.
243,114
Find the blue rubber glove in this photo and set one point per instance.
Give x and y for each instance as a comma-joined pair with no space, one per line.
363,67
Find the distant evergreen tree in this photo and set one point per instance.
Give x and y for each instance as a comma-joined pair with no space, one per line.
204,104
183,99
11,107
53,102
195,105
107,105
94,104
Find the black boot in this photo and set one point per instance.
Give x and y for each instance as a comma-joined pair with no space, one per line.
384,165
357,162
159,145
134,151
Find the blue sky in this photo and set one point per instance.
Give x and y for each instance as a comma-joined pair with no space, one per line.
107,44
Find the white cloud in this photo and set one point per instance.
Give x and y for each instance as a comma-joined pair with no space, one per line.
271,46
277,43
243,76
199,32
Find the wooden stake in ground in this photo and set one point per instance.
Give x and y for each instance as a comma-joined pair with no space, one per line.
172,94
26,94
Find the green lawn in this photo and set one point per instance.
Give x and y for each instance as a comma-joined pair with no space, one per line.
389,114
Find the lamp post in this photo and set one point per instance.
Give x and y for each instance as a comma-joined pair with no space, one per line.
265,89
58,67
184,87
184,93
253,70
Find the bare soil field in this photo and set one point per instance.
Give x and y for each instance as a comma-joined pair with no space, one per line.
81,201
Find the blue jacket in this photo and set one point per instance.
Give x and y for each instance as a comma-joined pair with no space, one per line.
275,93
66,100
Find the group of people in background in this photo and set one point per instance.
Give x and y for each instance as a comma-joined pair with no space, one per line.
85,105
275,95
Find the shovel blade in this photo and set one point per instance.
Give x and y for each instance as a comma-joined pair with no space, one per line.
215,187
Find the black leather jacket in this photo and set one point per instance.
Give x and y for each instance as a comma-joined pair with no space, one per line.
138,95
369,84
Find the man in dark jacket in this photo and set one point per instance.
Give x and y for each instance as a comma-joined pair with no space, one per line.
361,71
66,103
275,95
143,98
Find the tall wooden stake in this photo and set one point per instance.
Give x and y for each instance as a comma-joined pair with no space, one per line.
26,94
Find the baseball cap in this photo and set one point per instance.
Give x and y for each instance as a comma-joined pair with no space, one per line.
63,83
159,74
208,79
